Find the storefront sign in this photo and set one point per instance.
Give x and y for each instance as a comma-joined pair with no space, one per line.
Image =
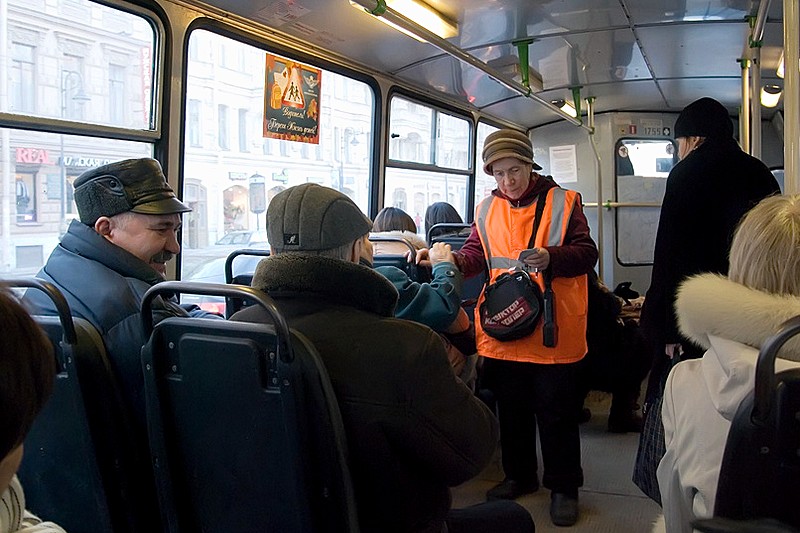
33,155
83,162
291,101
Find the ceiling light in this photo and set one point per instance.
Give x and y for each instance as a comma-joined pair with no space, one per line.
779,70
566,107
770,94
418,12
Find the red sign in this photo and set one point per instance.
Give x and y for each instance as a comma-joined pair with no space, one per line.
33,155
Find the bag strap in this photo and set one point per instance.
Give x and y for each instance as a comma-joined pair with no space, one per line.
537,218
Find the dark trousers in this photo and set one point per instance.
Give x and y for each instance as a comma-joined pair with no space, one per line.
490,517
531,394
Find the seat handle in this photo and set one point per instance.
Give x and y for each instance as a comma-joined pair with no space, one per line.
765,370
169,288
62,307
236,253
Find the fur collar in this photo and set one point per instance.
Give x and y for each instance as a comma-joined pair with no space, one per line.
340,281
413,239
712,305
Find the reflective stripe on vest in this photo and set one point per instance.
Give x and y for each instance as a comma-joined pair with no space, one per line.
556,200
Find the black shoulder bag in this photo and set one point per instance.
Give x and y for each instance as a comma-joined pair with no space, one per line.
514,304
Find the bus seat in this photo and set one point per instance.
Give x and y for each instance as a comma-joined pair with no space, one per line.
760,466
80,467
244,278
454,234
398,248
244,427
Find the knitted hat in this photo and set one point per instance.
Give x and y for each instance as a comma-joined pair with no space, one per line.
507,143
311,217
137,185
704,118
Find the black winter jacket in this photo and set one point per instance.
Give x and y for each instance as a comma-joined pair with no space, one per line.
706,195
104,284
413,429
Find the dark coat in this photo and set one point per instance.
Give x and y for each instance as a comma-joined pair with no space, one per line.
706,195
104,284
413,429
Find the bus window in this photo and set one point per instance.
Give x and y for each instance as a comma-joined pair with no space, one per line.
484,183
232,171
641,168
429,159
91,65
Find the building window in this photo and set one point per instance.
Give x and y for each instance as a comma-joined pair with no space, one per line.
116,94
23,87
73,91
224,135
26,197
243,130
193,122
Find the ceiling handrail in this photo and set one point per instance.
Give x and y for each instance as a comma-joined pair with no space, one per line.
378,8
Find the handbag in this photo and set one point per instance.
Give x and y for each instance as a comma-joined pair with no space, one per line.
513,304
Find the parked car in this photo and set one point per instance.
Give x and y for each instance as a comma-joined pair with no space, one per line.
213,271
245,239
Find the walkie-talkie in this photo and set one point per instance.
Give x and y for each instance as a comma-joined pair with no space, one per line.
549,328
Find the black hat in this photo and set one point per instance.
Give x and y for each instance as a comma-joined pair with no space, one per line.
310,217
137,185
704,118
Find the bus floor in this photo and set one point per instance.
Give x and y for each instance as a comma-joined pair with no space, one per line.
609,501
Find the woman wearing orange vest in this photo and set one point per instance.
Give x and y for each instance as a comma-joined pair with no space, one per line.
534,384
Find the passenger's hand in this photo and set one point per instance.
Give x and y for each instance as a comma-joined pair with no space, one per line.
673,350
423,257
440,252
538,261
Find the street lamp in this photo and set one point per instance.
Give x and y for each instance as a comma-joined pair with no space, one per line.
344,152
71,82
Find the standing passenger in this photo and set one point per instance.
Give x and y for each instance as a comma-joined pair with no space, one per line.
708,191
27,370
534,384
413,429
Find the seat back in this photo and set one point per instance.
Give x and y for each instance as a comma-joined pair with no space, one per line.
761,467
400,260
452,233
233,304
244,428
78,469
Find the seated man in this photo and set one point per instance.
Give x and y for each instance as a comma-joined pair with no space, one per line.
129,220
27,369
413,430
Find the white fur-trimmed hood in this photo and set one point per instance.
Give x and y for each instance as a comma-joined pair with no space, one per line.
712,305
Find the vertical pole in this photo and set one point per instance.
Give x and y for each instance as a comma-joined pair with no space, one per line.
744,109
599,195
755,101
7,179
791,96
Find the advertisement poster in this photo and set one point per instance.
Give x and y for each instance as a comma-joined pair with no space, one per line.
291,100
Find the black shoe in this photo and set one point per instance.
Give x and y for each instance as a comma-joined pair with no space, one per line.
631,423
563,509
511,489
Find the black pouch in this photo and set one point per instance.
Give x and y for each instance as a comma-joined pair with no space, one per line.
512,306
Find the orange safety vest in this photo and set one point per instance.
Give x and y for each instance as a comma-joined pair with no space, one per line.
504,231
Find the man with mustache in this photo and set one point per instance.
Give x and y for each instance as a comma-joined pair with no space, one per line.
106,261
